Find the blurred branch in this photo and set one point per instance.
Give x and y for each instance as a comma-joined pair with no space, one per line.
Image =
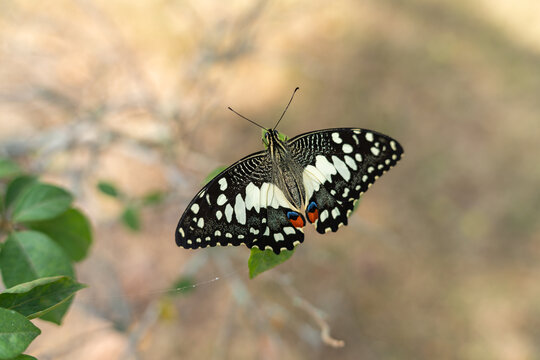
149,318
243,300
315,313
83,126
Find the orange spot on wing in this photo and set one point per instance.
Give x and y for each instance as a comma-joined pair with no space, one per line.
313,216
298,222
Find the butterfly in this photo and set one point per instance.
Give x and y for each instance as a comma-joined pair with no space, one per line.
265,199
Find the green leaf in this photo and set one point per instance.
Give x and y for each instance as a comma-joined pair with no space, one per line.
35,298
30,255
56,314
214,173
16,187
16,333
8,168
153,198
183,285
41,202
24,357
131,218
356,205
262,260
108,189
71,230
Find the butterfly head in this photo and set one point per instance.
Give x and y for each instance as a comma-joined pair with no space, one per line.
272,136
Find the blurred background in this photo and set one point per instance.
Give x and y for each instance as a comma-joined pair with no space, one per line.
441,261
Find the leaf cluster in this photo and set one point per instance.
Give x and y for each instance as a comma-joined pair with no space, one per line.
132,206
41,236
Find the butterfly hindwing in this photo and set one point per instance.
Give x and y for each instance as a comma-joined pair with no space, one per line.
339,166
278,233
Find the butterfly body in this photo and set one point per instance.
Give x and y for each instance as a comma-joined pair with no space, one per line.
265,199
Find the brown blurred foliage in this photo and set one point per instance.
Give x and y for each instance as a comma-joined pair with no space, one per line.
440,262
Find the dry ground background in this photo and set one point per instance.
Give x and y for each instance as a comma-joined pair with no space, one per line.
440,262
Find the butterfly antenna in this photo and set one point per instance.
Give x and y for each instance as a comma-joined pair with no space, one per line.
245,118
284,111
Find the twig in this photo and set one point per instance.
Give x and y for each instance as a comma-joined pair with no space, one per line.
317,314
149,319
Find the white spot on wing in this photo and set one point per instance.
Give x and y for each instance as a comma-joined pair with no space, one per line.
271,195
278,237
195,208
278,198
181,231
254,231
393,145
222,184
325,167
347,149
228,212
312,180
369,136
253,197
222,199
264,195
335,213
240,209
375,151
219,214
324,215
350,162
289,230
341,168
200,223
336,138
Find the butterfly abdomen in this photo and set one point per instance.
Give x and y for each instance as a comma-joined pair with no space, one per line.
288,177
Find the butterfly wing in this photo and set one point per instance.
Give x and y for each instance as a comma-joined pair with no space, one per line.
339,166
241,205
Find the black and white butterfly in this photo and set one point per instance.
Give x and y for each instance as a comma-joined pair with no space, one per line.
265,199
